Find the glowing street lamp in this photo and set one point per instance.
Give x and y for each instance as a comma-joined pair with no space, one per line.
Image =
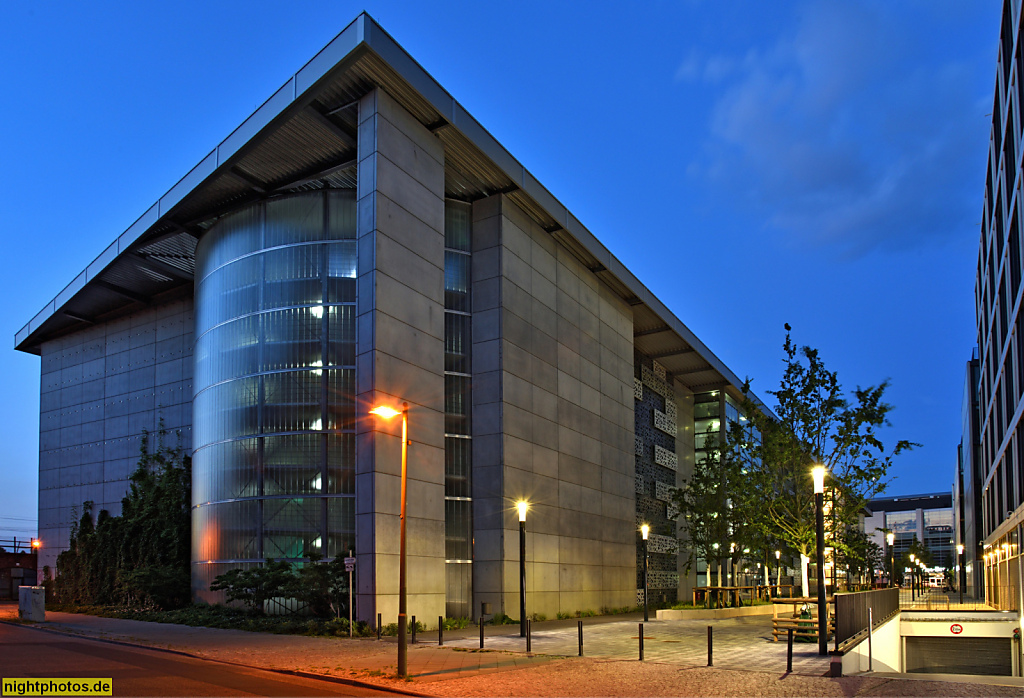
960,574
818,474
644,531
385,412
778,576
890,538
522,506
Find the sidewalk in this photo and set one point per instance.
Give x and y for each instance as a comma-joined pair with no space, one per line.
675,665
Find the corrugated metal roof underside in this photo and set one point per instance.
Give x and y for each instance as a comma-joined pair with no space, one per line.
311,144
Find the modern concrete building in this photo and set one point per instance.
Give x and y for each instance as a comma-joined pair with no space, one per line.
967,486
360,239
1001,327
928,518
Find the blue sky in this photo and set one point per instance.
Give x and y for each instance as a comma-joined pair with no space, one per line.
754,164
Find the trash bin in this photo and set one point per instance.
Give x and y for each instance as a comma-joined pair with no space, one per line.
32,603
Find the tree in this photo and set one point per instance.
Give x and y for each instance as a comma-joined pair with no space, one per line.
323,586
256,585
141,557
704,513
815,423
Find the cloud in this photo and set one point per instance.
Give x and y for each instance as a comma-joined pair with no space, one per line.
842,134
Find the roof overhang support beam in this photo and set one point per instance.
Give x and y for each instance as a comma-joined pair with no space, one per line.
256,185
121,291
674,352
691,371
315,176
79,318
341,133
163,268
653,330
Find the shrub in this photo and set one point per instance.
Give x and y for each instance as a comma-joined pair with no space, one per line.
456,623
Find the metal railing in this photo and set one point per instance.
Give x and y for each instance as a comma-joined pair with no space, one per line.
852,610
1000,598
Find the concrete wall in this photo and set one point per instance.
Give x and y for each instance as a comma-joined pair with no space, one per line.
399,357
552,422
100,388
886,648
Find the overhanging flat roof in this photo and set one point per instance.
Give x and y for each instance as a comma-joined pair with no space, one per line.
304,138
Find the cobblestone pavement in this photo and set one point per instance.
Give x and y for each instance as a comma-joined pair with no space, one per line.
466,671
738,643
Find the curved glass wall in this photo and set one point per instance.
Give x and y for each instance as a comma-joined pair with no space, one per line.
273,414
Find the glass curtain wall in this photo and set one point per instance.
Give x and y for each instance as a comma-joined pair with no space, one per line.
458,338
274,460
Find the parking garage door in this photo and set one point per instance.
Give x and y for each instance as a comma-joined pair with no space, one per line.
959,655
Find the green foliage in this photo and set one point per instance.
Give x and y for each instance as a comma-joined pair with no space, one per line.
140,558
323,586
254,586
503,619
817,424
538,617
391,629
456,623
561,615
224,617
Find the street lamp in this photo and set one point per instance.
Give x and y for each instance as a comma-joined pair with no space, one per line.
960,574
778,576
818,473
385,412
644,530
913,578
890,538
522,507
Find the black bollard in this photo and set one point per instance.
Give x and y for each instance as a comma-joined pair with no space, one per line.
378,626
440,631
529,637
579,628
789,653
481,632
413,640
710,647
641,642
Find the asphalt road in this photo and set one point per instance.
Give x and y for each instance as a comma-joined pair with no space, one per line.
27,653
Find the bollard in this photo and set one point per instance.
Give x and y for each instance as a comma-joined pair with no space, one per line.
641,642
710,662
529,637
413,639
378,626
440,631
481,632
871,625
579,627
789,653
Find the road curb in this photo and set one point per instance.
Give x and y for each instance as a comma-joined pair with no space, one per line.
289,672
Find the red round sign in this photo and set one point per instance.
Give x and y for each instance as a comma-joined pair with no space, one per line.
956,628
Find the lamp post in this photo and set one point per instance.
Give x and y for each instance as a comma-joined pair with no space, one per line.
913,578
818,473
890,538
386,412
960,574
778,576
644,530
522,507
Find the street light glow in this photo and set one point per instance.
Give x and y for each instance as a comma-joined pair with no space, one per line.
778,554
385,411
818,473
644,530
522,506
890,537
959,548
